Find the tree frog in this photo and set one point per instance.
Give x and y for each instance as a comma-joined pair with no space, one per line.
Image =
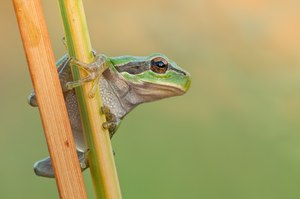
124,83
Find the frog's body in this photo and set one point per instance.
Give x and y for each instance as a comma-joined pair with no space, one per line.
124,83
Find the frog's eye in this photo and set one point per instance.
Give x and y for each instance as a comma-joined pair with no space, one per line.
159,65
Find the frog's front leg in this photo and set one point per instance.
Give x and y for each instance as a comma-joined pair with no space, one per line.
94,71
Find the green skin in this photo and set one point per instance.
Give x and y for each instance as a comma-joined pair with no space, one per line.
124,83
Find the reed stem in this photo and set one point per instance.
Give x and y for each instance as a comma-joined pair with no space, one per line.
50,99
101,160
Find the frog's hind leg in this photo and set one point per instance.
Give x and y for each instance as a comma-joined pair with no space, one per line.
44,167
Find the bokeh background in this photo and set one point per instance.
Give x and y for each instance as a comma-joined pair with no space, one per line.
234,135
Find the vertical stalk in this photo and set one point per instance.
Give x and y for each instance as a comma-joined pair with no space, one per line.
101,160
49,95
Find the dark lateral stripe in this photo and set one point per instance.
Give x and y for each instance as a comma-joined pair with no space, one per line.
176,70
139,67
133,67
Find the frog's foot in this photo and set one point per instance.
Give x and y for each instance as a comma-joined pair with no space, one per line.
111,120
44,167
94,71
83,159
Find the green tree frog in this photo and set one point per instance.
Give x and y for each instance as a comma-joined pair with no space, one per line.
124,83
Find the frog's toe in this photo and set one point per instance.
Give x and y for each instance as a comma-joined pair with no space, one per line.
32,99
110,117
110,126
105,110
83,159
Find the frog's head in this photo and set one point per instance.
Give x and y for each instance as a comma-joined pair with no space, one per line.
153,77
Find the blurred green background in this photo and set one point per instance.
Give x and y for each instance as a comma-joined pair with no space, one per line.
234,135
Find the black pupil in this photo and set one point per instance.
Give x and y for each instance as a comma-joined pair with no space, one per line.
160,64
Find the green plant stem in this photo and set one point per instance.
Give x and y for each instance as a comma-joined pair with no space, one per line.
101,160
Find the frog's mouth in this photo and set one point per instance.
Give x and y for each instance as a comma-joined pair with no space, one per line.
151,91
